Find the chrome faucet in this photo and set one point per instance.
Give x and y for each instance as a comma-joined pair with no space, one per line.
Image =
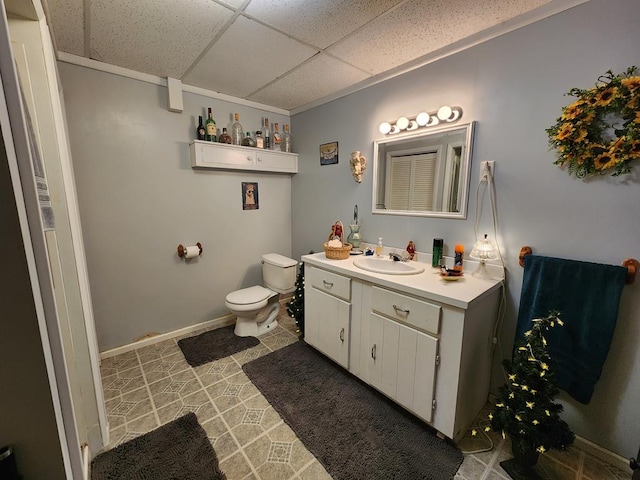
399,257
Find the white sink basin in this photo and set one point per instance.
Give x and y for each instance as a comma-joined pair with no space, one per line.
387,266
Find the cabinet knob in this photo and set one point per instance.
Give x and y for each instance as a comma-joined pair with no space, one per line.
249,158
342,335
373,351
259,159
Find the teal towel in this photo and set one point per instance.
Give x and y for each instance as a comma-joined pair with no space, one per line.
587,296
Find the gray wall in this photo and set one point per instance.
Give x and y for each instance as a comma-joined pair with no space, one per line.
139,198
514,87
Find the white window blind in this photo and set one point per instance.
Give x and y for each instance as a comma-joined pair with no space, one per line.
412,182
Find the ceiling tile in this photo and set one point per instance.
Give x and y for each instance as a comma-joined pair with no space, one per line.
247,56
418,28
159,37
67,17
318,22
319,77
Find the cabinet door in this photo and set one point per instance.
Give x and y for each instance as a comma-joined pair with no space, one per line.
277,161
402,364
328,325
207,154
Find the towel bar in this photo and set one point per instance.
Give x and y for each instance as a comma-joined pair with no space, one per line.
631,264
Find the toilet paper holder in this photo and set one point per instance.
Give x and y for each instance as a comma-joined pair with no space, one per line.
182,250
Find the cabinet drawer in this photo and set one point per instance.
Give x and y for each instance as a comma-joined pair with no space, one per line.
411,311
331,283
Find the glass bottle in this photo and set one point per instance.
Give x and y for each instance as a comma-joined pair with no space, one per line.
379,247
276,143
237,132
224,136
259,139
267,135
201,132
210,125
286,139
248,141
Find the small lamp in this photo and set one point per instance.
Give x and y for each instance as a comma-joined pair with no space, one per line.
483,250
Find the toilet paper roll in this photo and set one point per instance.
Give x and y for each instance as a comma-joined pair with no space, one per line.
192,251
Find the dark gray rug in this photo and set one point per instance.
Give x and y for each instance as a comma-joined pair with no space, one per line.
214,344
354,431
178,450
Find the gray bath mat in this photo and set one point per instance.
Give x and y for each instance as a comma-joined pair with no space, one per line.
214,344
354,431
178,450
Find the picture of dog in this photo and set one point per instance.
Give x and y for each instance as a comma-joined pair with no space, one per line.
249,196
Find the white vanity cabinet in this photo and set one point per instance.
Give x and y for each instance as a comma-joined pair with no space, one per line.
328,313
424,343
234,157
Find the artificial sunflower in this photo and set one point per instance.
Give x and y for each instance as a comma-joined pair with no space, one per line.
600,131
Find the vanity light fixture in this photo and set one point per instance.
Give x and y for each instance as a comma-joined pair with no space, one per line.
444,114
483,250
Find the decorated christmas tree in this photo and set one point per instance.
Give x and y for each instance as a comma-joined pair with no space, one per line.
295,308
525,410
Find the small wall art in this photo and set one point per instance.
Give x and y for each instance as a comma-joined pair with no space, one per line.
250,196
329,153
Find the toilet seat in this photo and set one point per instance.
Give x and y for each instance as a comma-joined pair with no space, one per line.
250,298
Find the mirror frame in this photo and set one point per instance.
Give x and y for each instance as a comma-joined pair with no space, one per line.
465,172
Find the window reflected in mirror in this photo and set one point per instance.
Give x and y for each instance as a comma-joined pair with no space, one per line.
424,174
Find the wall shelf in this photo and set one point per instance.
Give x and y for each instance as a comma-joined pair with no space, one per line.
234,157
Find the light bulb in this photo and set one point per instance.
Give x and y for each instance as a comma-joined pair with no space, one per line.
422,119
385,127
444,112
402,123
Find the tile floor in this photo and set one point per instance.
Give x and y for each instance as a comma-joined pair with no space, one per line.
153,385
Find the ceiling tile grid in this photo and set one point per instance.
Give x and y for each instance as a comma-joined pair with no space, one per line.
318,22
158,38
246,57
319,77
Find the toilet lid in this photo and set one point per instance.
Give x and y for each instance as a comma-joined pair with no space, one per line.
250,295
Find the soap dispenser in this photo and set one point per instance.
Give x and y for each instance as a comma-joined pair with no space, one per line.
379,247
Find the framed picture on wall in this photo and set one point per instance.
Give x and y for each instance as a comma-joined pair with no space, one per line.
329,153
250,196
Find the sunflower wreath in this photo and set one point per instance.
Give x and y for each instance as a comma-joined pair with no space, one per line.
599,133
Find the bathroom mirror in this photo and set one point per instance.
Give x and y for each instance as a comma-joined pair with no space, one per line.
423,174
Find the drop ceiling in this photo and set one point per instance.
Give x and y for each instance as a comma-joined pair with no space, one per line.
288,54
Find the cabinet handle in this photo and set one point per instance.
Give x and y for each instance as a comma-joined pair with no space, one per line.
327,284
342,335
373,351
401,310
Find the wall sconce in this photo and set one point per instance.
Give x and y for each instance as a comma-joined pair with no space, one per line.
358,165
445,114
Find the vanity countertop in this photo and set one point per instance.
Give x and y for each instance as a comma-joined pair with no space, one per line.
428,284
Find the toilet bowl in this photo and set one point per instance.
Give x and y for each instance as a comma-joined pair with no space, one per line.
256,308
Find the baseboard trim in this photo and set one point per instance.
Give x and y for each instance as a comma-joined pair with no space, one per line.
592,449
215,323
602,454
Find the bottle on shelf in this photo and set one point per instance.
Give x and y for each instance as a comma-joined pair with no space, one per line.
286,139
248,141
276,141
210,126
224,136
259,139
237,133
201,132
267,134
436,257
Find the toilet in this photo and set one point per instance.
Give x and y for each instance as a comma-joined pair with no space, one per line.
256,308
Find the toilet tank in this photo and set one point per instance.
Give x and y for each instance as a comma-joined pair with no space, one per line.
279,272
